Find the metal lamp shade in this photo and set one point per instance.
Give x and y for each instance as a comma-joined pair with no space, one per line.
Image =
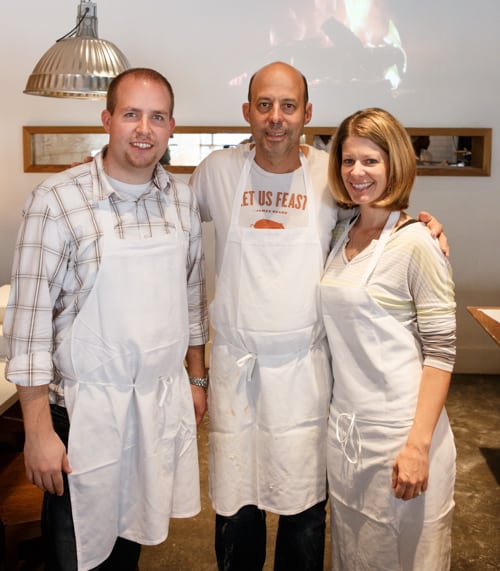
78,67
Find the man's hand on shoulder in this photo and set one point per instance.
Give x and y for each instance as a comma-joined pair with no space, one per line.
436,229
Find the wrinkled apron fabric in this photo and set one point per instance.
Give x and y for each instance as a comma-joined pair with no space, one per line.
377,366
270,375
132,442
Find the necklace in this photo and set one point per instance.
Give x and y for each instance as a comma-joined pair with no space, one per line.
360,238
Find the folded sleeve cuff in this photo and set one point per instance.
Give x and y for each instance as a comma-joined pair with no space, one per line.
31,370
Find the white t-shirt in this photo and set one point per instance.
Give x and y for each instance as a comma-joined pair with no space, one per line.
274,200
215,182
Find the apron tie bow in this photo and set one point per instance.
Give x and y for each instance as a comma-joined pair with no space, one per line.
242,361
350,437
166,382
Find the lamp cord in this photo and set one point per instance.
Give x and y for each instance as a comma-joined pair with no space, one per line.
75,29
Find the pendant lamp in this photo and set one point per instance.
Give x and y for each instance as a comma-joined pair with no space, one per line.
79,65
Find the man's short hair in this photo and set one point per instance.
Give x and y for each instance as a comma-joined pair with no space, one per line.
140,73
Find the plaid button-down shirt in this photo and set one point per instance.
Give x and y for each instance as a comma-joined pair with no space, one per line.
58,255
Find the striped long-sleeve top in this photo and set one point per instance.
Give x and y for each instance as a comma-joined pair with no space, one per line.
413,282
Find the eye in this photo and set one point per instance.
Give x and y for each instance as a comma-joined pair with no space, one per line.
159,117
264,105
347,162
130,114
288,107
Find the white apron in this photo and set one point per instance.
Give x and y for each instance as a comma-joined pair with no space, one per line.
132,440
270,376
377,367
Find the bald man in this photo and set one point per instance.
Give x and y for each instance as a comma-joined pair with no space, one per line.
270,373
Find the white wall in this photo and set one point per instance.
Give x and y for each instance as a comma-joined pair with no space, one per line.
452,80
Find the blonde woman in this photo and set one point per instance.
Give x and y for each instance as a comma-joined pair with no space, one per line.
388,302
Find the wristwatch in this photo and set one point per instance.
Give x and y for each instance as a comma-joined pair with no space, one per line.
199,381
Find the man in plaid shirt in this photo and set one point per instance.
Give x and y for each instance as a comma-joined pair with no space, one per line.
107,302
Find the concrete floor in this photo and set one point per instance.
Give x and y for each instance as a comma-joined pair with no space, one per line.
473,407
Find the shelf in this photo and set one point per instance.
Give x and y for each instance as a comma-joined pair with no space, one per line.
52,148
460,151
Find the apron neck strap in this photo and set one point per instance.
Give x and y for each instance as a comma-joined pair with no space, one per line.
106,217
382,241
384,236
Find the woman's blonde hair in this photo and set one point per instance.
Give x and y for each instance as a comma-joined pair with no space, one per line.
383,129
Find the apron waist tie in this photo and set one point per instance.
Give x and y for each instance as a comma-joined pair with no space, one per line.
350,437
250,358
166,382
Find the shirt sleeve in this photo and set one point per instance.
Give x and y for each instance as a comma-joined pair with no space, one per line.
432,289
40,259
200,183
196,285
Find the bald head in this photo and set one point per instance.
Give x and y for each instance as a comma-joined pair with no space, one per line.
277,110
281,67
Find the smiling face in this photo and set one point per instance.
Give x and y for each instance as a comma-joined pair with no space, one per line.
277,113
139,129
371,151
364,170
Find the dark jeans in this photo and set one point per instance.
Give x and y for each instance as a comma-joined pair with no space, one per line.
57,524
240,540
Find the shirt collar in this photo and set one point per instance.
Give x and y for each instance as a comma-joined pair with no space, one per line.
102,189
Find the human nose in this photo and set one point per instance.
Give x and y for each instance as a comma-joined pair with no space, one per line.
357,168
143,125
275,114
